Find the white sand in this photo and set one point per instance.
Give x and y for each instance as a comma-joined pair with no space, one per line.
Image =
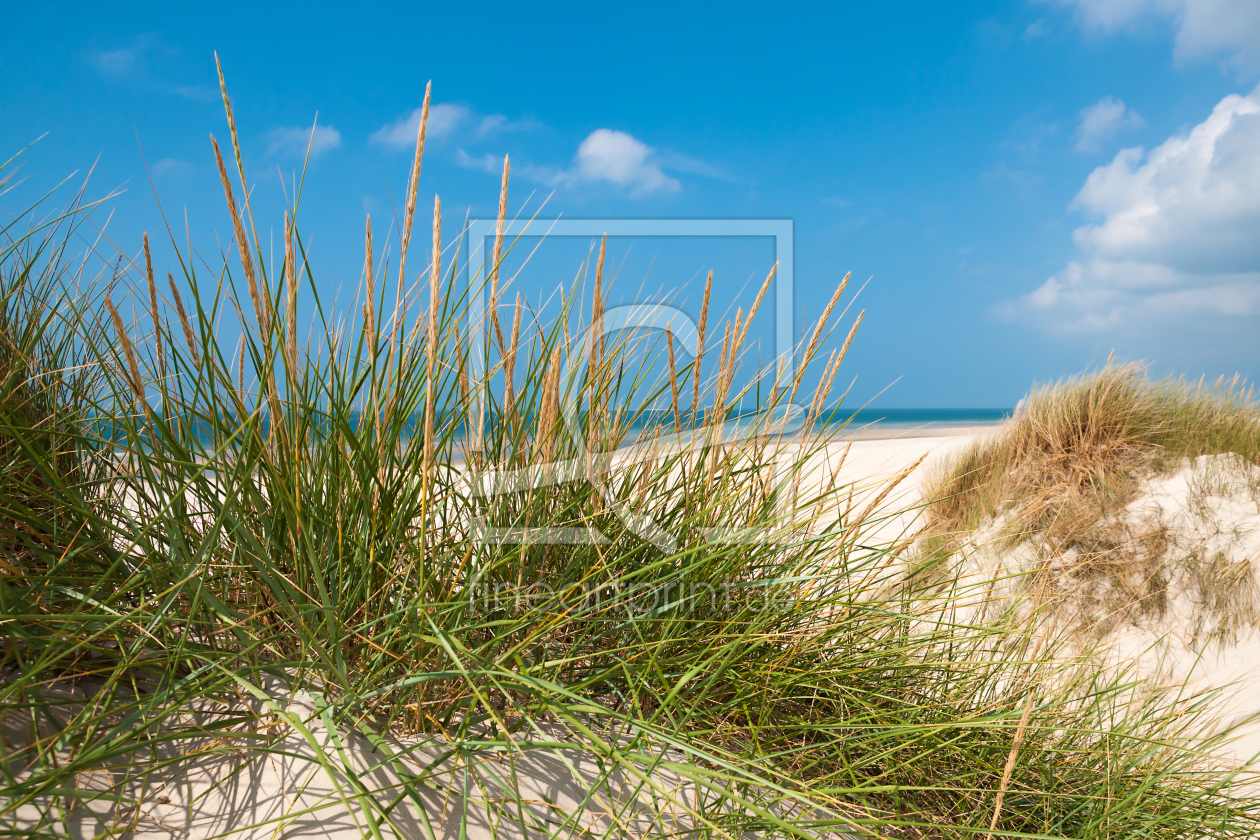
312,782
1205,523
874,463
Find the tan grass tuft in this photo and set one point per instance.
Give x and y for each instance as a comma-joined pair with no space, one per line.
189,335
498,256
133,367
500,222
725,363
549,413
1009,770
761,293
695,370
509,363
873,505
816,335
848,339
413,184
673,379
240,163
1069,462
369,280
242,243
465,384
732,355
594,372
736,338
290,280
153,301
435,280
815,405
597,313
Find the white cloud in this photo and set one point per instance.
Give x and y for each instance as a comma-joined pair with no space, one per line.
1176,230
605,156
1204,27
618,158
444,118
294,141
1104,120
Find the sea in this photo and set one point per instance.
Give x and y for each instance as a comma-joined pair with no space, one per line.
921,416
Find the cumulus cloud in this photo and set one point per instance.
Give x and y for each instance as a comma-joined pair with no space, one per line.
616,157
1203,27
1103,121
293,141
1176,229
606,156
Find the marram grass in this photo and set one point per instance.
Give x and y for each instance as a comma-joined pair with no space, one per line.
196,531
1085,441
1061,472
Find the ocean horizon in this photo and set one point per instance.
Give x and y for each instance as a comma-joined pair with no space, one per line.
921,416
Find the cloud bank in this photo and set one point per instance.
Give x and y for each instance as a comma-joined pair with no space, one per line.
1178,230
1204,27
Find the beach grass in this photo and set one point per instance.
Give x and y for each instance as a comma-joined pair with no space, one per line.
198,529
1083,442
1075,454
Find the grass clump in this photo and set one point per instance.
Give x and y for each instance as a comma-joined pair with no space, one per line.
1057,479
1083,442
41,466
286,554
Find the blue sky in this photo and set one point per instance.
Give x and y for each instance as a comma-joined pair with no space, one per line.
1029,184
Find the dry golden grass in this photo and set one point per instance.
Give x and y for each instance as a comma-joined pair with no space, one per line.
1069,461
1075,449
